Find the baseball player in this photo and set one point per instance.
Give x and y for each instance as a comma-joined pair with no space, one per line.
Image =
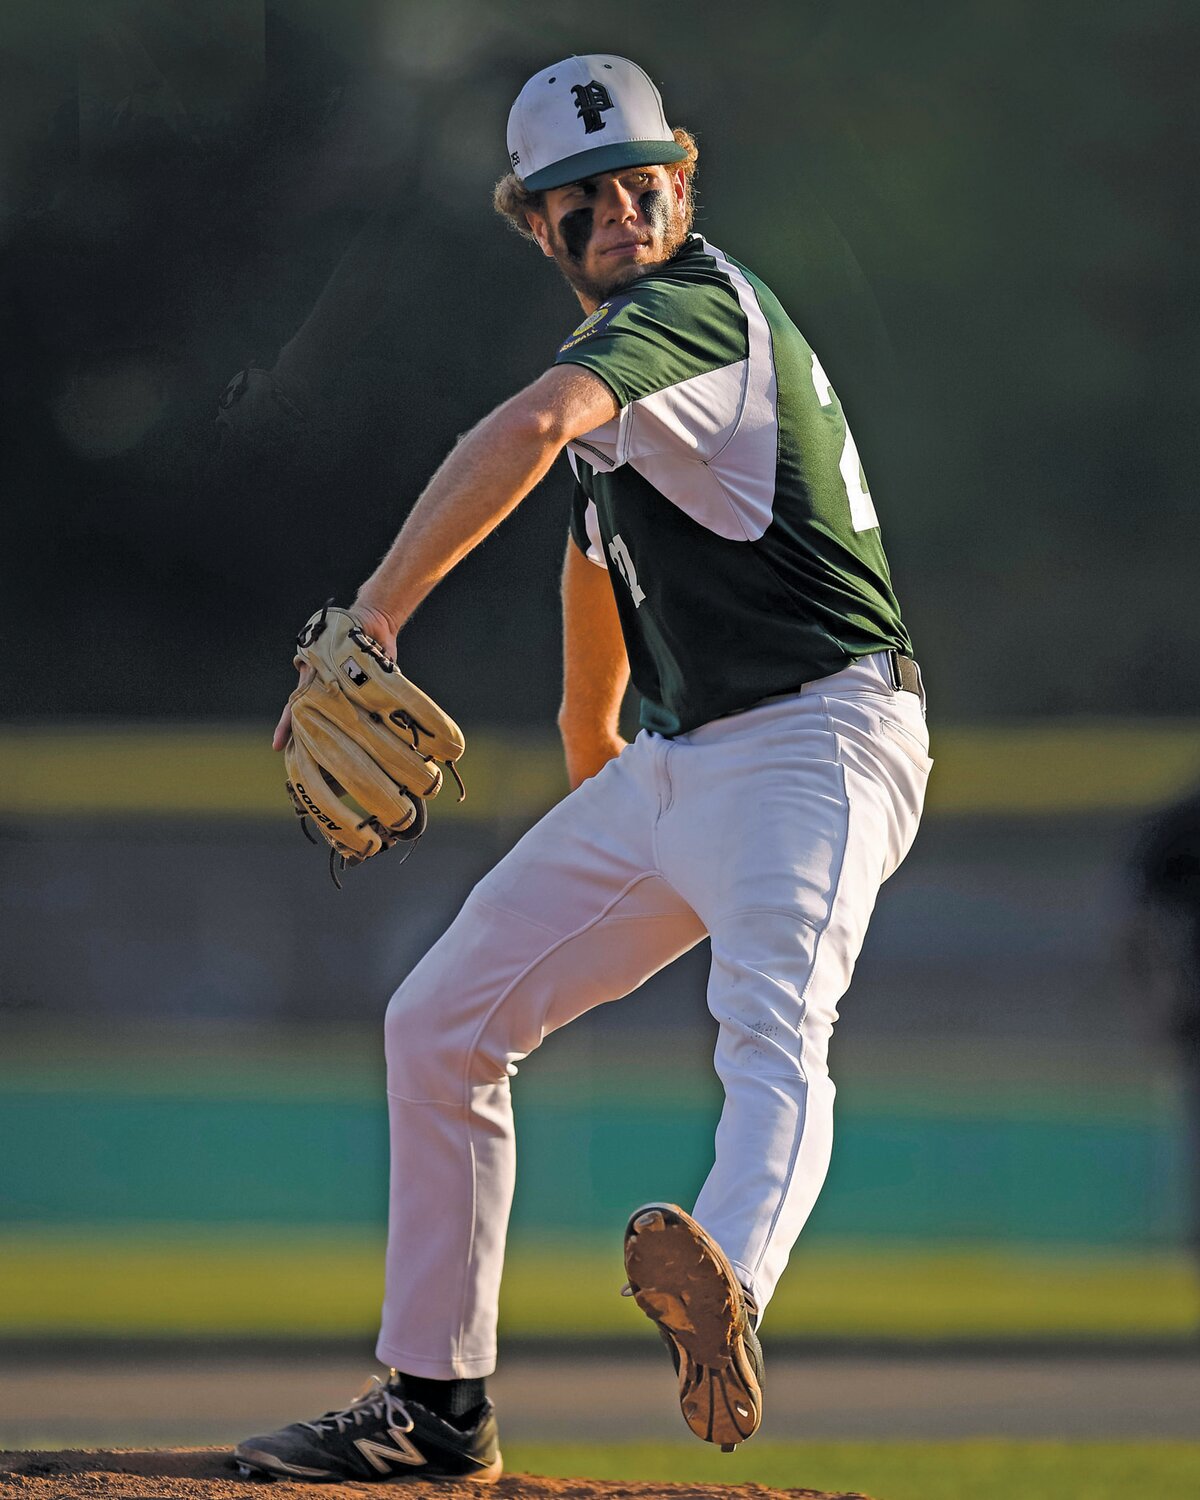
724,550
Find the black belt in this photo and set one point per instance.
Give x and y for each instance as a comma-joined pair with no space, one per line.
906,675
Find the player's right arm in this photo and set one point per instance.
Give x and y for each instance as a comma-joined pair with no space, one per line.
487,475
595,668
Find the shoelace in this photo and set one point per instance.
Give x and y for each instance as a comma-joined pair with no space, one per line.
374,1400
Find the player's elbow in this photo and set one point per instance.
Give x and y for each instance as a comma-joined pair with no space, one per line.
564,403
539,424
538,416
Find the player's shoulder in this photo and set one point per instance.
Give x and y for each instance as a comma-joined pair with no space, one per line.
697,271
695,288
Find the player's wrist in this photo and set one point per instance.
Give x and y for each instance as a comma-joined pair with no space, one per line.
377,620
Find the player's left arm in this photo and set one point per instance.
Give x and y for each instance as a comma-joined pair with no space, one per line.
595,668
486,476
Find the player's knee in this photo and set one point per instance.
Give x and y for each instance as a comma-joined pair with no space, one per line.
424,1057
463,1016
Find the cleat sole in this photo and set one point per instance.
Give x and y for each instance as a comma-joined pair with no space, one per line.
683,1282
253,1462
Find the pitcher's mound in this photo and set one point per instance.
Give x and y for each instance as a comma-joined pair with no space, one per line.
206,1474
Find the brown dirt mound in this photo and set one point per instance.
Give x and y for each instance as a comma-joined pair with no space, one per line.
206,1474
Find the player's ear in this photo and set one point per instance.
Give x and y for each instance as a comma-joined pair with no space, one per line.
679,185
540,231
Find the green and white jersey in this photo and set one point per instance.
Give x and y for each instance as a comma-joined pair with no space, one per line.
726,497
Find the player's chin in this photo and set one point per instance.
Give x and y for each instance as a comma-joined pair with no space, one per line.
620,273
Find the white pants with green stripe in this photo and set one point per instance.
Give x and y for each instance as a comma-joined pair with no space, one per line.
771,831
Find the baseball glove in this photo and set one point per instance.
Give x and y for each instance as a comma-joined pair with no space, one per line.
363,755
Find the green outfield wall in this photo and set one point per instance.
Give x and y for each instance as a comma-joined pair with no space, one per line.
1094,1168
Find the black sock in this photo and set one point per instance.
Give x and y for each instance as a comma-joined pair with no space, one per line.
449,1399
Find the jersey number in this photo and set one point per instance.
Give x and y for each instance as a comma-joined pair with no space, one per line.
862,508
619,553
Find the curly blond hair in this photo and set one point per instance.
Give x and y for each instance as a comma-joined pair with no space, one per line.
512,200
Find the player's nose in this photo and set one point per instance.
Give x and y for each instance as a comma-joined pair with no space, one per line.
618,205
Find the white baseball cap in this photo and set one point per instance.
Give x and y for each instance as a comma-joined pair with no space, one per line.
584,115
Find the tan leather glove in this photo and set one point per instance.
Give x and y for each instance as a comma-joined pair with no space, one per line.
365,744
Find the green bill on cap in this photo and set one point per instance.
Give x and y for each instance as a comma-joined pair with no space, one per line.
605,159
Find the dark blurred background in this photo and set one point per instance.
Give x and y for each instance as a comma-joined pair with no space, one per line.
983,218
980,214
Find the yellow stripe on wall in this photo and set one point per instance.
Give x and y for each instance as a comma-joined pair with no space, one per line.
1046,768
197,772
1063,766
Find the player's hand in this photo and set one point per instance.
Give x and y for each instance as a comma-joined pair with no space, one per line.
376,624
588,753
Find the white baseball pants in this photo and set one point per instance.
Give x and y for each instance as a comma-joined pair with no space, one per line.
771,831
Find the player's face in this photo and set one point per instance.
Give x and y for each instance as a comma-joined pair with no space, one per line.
606,231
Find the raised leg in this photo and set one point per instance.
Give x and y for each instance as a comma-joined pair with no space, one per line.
831,787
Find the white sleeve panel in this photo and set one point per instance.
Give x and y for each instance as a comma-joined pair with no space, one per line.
603,447
708,444
695,418
744,468
675,435
591,522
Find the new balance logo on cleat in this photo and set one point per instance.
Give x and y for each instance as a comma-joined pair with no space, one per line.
382,1458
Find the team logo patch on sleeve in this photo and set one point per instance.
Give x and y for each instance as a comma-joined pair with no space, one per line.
594,322
588,326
